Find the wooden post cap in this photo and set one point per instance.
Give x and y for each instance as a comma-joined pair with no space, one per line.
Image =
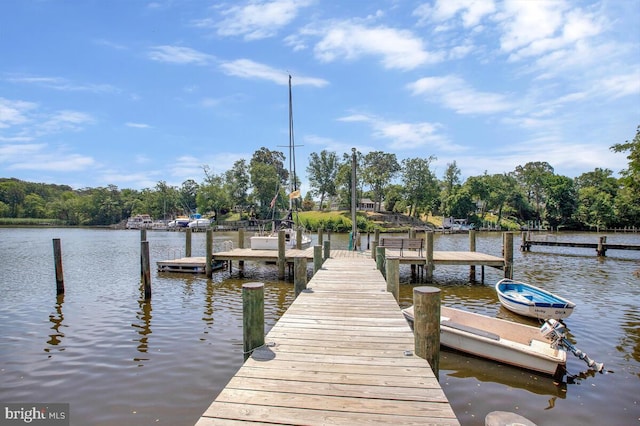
505,418
252,286
426,290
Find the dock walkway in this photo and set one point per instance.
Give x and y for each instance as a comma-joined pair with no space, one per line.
342,354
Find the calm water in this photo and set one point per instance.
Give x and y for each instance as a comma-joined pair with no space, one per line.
118,360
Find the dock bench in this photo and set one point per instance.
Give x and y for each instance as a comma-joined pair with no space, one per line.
402,243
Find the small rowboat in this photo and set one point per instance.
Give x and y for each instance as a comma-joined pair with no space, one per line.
504,341
531,301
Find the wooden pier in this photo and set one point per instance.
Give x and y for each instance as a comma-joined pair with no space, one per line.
342,354
601,247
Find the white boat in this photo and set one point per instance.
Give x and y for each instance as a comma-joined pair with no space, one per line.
504,341
139,221
199,224
531,301
268,239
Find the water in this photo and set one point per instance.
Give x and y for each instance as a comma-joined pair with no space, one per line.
119,360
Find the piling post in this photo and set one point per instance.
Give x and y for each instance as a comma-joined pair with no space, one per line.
426,325
240,245
429,266
327,249
472,248
299,274
317,258
374,247
208,257
392,269
187,242
320,236
507,238
146,271
57,260
602,250
281,254
143,237
380,256
252,317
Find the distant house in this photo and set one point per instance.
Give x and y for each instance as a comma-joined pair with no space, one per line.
366,204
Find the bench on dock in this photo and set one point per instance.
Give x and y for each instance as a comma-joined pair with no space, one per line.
402,243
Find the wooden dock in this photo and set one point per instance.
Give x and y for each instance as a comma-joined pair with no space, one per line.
342,354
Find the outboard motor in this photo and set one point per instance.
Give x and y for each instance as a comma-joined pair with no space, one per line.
553,331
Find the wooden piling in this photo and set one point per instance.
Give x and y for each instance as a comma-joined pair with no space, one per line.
601,250
281,254
208,265
187,242
57,260
299,274
320,236
299,239
146,269
252,317
327,249
241,246
507,239
143,237
429,265
393,276
426,325
317,258
380,258
472,248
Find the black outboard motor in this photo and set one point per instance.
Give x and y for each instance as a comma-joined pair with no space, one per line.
554,331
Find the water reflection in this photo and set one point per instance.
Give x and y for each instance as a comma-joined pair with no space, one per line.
458,365
143,327
57,320
207,316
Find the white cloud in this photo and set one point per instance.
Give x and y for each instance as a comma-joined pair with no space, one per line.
14,113
62,84
246,68
54,162
138,125
179,55
470,11
454,93
398,49
257,19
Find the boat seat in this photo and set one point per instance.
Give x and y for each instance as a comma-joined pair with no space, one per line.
469,329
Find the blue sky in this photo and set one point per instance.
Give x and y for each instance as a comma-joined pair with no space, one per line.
132,92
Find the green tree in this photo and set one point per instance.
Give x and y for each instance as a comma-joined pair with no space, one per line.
379,169
562,201
322,172
628,199
420,185
532,177
237,181
597,191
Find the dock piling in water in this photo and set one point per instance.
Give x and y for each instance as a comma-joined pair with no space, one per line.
146,271
252,316
57,258
426,325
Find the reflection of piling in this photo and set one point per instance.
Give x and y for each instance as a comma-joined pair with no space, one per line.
57,258
426,325
146,271
252,316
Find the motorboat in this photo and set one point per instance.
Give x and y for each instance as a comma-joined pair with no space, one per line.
496,339
531,301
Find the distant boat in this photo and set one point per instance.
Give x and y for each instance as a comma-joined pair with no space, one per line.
139,221
531,301
496,339
200,224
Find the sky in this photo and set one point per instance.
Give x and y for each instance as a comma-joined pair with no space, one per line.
132,92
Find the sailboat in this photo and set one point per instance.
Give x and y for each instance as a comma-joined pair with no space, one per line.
264,240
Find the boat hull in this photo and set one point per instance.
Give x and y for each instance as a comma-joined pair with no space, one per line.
507,342
531,301
270,242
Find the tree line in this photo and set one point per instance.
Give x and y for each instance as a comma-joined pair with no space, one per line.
253,189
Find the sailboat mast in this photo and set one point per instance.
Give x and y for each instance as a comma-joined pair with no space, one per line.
292,156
